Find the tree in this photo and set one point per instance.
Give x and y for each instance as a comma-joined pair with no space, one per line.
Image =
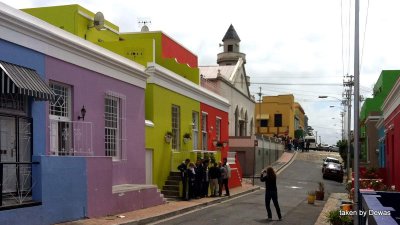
342,144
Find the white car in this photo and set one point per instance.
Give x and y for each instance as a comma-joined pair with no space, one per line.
329,160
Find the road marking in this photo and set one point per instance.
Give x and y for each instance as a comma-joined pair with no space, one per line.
204,207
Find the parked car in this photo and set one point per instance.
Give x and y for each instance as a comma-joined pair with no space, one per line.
333,170
333,148
324,147
328,160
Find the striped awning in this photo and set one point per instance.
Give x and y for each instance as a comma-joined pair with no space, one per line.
16,79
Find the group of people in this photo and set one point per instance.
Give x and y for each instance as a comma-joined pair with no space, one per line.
298,144
200,178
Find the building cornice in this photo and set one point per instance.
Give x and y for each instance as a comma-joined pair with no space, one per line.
233,87
172,81
392,100
372,119
25,30
380,123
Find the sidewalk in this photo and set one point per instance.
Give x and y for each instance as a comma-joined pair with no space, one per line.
173,208
334,201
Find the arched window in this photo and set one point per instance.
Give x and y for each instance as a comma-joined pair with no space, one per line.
251,127
236,121
245,123
242,123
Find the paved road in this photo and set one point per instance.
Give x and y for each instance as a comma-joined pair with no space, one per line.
293,183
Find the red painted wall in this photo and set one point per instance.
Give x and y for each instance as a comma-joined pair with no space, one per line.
392,125
171,49
212,114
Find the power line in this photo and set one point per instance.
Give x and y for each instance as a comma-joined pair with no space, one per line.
302,90
299,84
365,31
341,27
293,76
348,64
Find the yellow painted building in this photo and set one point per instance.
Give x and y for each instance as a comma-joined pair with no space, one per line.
275,115
298,117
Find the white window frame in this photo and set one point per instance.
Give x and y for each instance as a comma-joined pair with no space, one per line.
204,120
175,124
218,122
118,125
62,121
67,101
195,129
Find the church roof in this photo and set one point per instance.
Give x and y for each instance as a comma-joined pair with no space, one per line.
212,72
231,34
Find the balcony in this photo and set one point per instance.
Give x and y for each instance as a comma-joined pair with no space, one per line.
71,138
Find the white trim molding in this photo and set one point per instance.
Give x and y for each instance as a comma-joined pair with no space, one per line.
172,81
392,101
25,30
372,119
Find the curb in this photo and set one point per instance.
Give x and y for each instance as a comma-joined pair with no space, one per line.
188,209
287,163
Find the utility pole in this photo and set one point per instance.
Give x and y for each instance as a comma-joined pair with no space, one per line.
259,110
356,108
348,94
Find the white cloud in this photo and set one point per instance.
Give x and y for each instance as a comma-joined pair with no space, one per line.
287,38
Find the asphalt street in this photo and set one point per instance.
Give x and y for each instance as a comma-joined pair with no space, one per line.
301,176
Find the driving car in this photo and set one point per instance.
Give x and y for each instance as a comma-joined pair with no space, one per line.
333,170
328,160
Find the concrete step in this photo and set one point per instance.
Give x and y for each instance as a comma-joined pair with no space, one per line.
176,178
170,194
178,174
172,182
170,188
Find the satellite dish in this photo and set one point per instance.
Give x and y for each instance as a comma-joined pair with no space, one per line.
98,21
145,28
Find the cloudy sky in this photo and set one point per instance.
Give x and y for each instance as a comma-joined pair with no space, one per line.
291,42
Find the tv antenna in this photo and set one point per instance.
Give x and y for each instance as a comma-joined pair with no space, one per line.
143,22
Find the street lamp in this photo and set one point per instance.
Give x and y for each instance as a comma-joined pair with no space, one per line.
345,102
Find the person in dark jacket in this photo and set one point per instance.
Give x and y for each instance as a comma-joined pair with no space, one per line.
199,169
206,179
191,171
183,170
271,192
215,175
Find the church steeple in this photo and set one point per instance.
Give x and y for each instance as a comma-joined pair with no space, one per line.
231,44
231,34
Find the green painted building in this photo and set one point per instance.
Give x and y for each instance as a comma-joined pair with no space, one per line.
369,113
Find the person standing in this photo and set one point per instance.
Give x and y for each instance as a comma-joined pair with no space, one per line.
214,174
183,170
225,177
271,192
206,179
191,171
222,172
198,179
